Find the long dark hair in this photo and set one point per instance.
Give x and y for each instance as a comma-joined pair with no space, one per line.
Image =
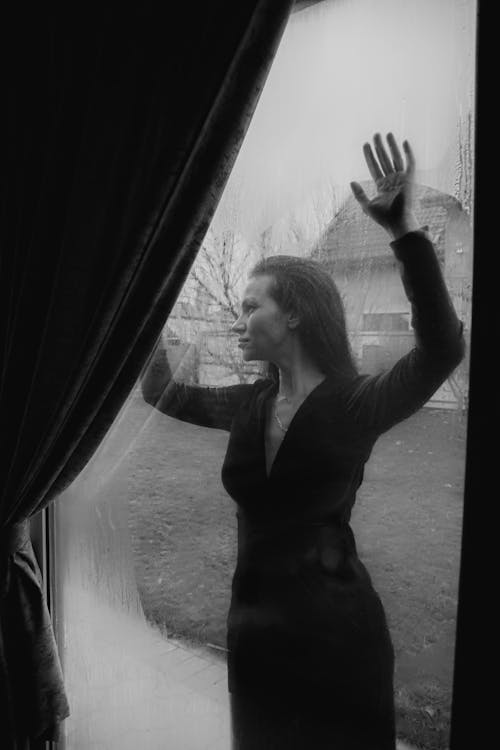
302,286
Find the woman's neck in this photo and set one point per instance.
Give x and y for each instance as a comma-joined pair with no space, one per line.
298,377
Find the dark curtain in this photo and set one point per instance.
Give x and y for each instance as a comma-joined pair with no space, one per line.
121,129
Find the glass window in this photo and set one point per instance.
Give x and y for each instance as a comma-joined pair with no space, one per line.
146,537
386,322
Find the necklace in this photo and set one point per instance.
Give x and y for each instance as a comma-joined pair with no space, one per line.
280,423
283,398
279,398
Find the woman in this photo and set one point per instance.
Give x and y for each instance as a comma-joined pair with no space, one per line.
310,659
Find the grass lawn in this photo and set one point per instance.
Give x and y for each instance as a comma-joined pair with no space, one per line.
407,523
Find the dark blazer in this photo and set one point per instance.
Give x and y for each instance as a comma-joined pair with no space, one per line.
305,622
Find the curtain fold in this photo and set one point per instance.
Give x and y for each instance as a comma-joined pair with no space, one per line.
122,129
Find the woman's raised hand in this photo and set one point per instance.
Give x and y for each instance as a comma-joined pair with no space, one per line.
392,206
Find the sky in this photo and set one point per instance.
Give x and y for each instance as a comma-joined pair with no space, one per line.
344,70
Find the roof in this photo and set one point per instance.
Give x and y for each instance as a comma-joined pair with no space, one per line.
301,4
352,238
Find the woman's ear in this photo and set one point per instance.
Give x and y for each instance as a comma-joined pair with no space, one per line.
293,321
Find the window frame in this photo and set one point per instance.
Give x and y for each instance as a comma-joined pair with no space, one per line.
469,725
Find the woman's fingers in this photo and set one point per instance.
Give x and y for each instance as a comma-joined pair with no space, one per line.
410,159
383,157
396,153
359,194
381,166
373,166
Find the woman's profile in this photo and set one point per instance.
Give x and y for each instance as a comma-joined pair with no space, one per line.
310,658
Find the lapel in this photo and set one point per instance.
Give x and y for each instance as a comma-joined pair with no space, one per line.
294,428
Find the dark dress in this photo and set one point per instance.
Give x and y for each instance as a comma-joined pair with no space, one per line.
310,659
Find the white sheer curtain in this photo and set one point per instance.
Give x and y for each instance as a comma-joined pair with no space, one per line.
117,665
136,548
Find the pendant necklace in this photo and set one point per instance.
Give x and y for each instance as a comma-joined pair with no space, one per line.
278,420
283,398
280,423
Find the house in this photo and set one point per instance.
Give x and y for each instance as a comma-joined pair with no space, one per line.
355,250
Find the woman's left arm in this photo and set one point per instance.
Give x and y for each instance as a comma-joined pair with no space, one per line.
438,331
378,402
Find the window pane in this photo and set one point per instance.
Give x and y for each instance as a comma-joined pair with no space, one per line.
147,538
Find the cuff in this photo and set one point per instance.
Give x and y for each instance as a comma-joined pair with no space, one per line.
423,233
418,238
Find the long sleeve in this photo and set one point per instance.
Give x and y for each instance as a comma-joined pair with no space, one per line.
201,405
378,402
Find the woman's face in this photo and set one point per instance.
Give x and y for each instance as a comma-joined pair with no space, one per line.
263,328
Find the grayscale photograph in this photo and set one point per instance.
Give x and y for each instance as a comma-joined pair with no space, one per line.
237,281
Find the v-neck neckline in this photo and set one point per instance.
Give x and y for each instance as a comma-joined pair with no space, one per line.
272,392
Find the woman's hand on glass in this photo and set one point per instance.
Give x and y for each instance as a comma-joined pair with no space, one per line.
392,206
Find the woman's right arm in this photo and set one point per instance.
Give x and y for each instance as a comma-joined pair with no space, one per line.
201,405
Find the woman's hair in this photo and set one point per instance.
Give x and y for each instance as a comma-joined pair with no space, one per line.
302,286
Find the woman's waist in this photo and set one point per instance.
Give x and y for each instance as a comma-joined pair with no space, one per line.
290,544
319,578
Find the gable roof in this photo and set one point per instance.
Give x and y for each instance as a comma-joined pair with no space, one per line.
353,239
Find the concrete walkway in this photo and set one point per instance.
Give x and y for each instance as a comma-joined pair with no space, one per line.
131,688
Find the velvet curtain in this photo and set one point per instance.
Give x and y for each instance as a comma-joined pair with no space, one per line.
122,128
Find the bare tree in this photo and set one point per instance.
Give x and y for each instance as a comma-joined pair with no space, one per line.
220,270
219,275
